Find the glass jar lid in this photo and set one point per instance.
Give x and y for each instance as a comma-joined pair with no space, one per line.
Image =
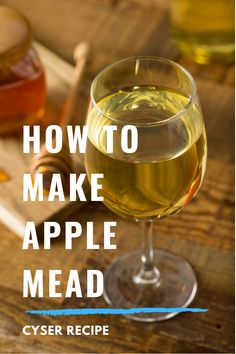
15,35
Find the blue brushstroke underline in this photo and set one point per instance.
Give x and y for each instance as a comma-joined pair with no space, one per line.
113,311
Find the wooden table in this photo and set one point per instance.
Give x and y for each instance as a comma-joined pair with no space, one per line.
203,232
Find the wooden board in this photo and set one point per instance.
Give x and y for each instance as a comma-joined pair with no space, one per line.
13,211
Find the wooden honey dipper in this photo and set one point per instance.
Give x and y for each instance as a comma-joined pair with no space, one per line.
61,162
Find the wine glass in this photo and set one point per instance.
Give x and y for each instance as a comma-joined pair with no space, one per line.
159,98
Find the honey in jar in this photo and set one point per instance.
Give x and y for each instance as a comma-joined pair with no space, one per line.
22,80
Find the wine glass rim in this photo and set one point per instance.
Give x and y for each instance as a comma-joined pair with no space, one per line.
175,116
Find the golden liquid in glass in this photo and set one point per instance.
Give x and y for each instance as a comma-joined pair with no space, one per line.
165,173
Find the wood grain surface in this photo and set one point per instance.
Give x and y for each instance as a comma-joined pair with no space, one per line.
203,232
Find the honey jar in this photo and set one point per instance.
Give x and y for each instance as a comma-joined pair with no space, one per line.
22,80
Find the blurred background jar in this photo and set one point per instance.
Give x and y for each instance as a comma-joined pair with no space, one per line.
22,80
204,29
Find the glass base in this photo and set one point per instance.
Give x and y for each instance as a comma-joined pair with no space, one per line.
175,287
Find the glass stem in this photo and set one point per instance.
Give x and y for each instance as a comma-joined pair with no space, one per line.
149,273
